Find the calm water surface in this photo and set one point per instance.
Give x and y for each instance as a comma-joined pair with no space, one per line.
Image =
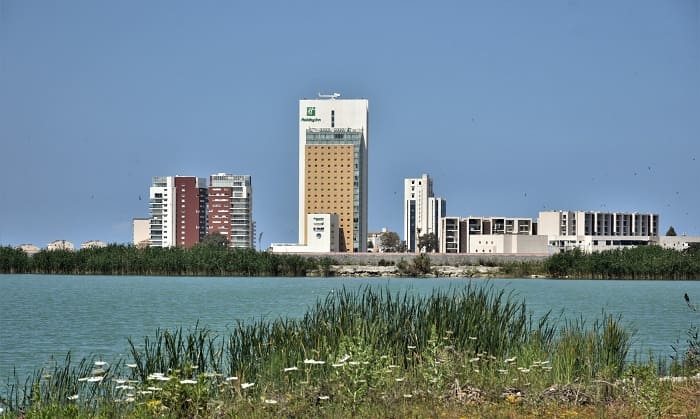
41,315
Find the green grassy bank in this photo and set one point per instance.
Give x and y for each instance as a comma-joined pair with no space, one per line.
469,352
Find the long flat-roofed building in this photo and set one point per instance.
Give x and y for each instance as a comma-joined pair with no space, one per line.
495,235
333,138
593,231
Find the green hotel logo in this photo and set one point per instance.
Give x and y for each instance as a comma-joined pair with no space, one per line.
311,111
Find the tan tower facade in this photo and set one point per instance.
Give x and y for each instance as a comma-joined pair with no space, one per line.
333,167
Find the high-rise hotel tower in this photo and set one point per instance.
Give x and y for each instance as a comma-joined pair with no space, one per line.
333,136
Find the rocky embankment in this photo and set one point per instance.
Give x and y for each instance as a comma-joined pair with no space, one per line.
369,271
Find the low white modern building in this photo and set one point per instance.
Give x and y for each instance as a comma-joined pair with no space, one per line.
494,235
593,231
374,240
678,242
322,235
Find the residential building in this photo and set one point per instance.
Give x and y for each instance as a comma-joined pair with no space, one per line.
333,153
92,244
142,232
593,231
29,249
323,233
178,211
60,245
483,235
230,210
422,211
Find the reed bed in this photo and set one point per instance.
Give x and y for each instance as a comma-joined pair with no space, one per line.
351,348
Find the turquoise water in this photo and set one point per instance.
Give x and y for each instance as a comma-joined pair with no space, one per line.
41,315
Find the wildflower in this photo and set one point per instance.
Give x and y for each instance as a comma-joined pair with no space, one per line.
476,370
475,359
399,379
344,358
95,379
314,362
131,365
231,378
100,363
128,399
82,379
188,381
354,363
407,396
73,397
120,381
338,365
270,401
513,398
247,385
154,388
285,370
323,397
472,337
411,347
510,360
524,370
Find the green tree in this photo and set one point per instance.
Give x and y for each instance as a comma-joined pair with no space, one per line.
671,231
389,242
214,240
428,242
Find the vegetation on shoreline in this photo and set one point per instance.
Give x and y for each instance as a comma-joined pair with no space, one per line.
645,262
365,353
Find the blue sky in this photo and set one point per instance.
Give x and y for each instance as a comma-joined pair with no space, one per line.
512,107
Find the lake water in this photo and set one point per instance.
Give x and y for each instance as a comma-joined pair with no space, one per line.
42,315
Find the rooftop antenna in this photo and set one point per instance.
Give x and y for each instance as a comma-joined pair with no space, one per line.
331,96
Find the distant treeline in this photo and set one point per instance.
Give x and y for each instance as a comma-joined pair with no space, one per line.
129,260
644,262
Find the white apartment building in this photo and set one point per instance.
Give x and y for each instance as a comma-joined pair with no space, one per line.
178,211
491,235
333,157
422,211
593,231
93,244
323,233
230,210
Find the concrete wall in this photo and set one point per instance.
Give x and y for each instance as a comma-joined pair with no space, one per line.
435,258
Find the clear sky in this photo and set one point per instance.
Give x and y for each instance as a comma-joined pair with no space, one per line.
510,106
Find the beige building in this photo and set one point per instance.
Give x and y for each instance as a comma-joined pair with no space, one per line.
593,231
490,235
142,232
